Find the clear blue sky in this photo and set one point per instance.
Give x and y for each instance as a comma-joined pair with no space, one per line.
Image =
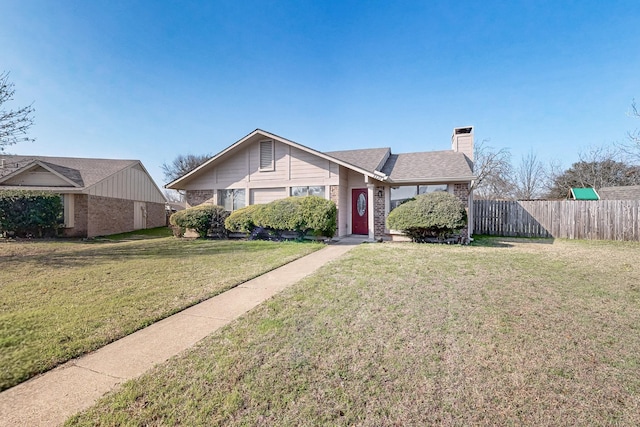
153,79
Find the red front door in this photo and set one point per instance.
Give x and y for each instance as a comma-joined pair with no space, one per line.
359,211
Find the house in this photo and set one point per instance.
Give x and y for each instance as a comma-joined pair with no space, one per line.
365,184
100,196
583,194
624,192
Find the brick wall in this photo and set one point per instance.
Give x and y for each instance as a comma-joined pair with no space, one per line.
461,191
156,215
378,213
334,196
80,217
107,215
198,197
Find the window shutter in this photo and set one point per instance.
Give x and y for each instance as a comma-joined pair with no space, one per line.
266,155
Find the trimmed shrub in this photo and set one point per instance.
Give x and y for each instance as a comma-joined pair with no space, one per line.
34,213
302,215
429,215
279,215
241,220
318,215
204,219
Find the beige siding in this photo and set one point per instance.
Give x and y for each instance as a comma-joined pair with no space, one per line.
281,171
308,166
232,172
37,176
266,195
293,167
129,184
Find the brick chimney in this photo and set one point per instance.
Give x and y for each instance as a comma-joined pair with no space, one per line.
462,141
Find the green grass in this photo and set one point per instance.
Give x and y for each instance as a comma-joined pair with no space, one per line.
61,299
513,332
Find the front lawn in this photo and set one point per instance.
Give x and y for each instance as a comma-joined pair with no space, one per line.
60,299
513,332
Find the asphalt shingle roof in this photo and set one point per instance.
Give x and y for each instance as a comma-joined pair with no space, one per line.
626,192
369,159
84,172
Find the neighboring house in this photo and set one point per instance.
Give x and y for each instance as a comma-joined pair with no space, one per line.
100,196
627,192
365,184
583,194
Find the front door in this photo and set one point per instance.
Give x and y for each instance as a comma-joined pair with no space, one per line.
359,211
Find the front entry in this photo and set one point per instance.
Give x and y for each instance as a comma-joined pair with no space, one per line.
359,211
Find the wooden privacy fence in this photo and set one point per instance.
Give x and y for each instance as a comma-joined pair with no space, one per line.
569,219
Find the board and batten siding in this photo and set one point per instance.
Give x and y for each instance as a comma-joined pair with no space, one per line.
130,184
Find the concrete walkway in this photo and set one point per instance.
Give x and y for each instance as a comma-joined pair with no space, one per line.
49,399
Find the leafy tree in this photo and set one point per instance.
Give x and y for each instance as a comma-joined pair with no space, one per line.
14,124
182,165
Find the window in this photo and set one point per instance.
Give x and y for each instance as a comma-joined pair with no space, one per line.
308,191
266,155
405,192
231,200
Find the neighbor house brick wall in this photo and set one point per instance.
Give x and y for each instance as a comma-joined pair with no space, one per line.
109,216
378,213
156,215
198,197
80,217
334,196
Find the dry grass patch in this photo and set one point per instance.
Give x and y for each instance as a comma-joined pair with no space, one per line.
60,299
510,333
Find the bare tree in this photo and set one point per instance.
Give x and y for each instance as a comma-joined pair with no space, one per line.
492,169
529,178
14,124
182,165
597,168
632,147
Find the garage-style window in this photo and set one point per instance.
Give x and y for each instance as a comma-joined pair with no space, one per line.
231,199
308,191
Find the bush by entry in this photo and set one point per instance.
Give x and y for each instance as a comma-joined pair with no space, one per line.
429,216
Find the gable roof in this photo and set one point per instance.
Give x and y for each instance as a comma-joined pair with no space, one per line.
584,194
626,192
377,163
79,173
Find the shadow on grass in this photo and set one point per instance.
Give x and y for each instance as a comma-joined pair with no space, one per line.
169,249
506,242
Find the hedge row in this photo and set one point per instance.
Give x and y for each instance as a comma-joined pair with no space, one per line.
429,215
25,213
302,215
